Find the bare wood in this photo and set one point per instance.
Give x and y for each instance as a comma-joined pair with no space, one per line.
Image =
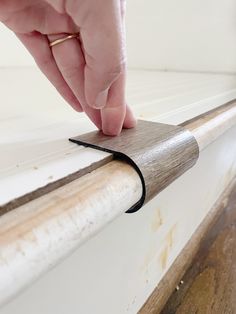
160,295
209,285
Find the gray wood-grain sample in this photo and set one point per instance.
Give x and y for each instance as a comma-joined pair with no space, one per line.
160,153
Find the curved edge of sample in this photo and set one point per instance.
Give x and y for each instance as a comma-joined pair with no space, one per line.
160,153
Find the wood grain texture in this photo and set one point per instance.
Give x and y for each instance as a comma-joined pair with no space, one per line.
209,285
160,153
159,297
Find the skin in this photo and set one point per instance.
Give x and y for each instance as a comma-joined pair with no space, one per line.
89,71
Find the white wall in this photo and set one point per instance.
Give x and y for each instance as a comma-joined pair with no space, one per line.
12,52
166,34
182,35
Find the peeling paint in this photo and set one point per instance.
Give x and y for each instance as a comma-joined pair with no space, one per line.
157,220
169,241
164,257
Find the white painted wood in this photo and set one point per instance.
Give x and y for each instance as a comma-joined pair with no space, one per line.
34,131
177,97
118,268
36,123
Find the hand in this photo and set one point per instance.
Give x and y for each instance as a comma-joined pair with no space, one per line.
89,72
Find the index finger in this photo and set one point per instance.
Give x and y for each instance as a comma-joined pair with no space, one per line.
103,42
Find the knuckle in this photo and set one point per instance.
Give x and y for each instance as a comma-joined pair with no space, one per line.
113,70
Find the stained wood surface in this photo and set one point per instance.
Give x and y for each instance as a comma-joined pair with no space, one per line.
36,123
159,152
209,285
157,300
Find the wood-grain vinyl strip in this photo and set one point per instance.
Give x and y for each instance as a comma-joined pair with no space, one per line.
200,275
151,148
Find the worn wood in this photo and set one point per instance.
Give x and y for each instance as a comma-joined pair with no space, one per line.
52,186
40,233
160,153
175,274
207,127
209,285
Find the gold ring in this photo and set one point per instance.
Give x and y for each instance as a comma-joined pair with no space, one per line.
61,40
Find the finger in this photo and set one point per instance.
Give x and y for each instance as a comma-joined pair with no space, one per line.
104,48
130,121
70,61
113,114
116,114
38,46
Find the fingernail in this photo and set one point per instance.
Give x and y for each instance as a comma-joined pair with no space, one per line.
111,130
132,123
101,99
112,121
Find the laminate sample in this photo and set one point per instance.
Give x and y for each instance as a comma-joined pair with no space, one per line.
160,153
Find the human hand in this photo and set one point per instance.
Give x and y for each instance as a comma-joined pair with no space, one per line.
88,72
